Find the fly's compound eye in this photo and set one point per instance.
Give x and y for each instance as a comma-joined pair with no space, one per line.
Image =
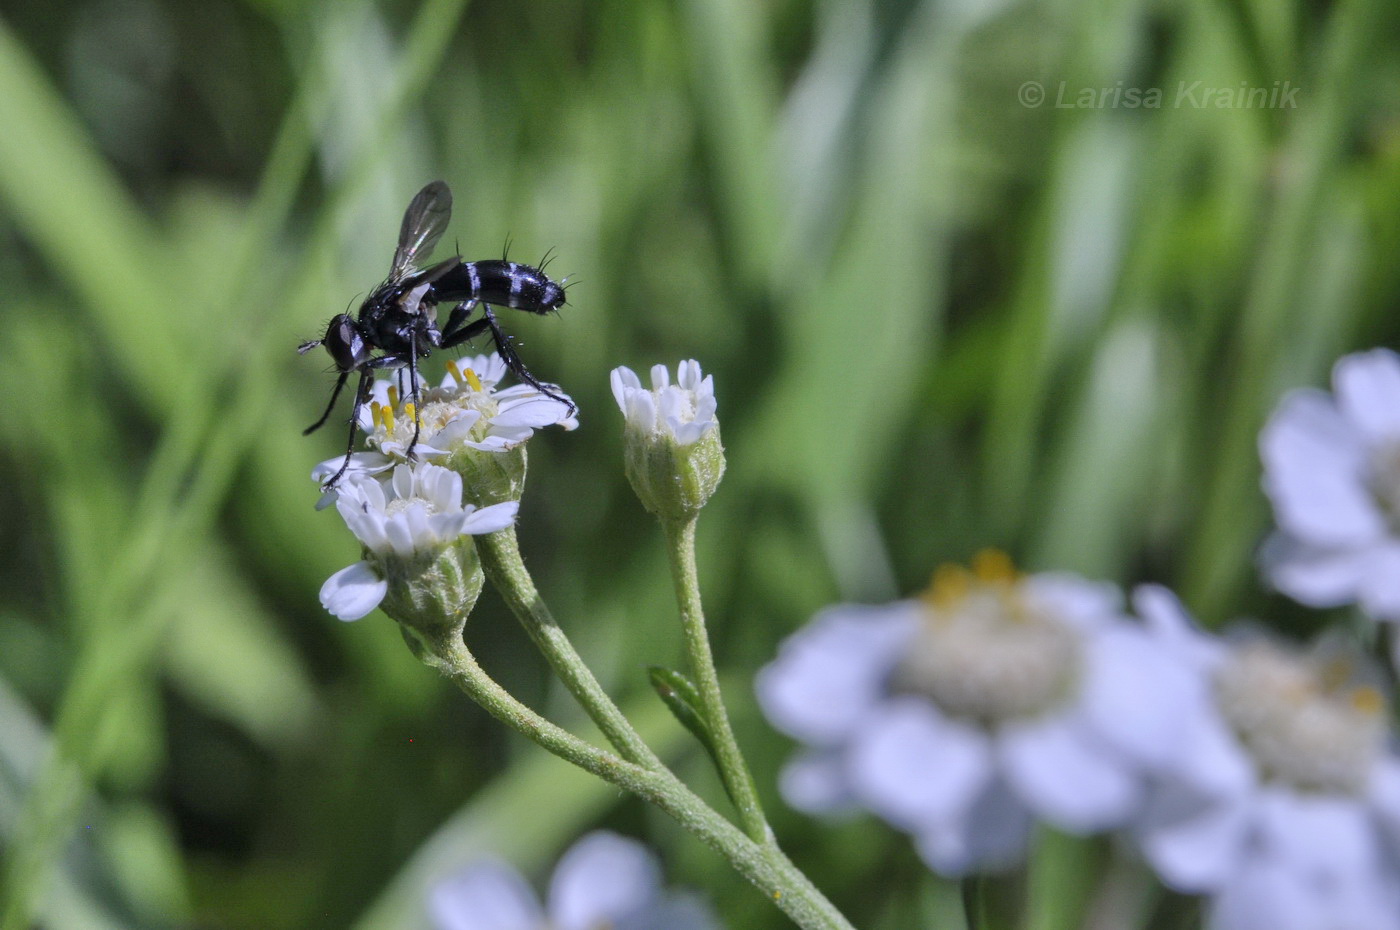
345,344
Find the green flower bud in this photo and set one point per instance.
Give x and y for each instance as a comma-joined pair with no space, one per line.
672,450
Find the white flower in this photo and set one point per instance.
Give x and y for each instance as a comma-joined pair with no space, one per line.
960,717
1283,800
682,412
671,447
604,882
417,513
464,411
1332,470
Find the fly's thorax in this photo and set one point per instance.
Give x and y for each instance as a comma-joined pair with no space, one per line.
987,652
1307,721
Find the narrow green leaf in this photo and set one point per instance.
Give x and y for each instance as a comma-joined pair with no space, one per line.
681,696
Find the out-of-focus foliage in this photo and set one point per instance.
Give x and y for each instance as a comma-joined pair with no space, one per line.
938,319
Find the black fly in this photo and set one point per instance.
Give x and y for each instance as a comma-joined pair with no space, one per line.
399,318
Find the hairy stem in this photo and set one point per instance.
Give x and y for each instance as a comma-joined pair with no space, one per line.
769,870
680,547
500,557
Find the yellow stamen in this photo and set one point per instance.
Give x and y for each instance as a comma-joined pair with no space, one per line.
1368,700
376,413
410,412
388,418
950,584
473,380
1336,672
454,371
992,566
393,396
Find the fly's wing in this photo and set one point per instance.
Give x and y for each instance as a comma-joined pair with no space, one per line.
424,222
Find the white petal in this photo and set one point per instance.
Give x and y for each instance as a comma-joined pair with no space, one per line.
829,675
660,377
1194,844
488,896
402,482
688,374
817,783
676,912
1320,835
534,412
1083,604
1139,698
602,879
641,410
490,519
352,592
1173,629
401,542
1067,777
1368,392
912,766
1312,576
1315,474
1380,588
623,380
415,520
688,433
457,429
990,836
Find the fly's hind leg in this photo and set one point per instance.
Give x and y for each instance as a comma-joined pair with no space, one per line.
513,362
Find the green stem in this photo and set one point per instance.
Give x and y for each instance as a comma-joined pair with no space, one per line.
767,868
680,547
500,557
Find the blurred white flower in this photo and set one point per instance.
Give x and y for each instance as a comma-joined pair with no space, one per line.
416,514
464,411
682,412
603,882
1332,470
1283,800
960,717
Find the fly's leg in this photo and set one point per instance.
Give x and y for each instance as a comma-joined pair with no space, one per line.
456,319
412,454
362,394
339,383
513,362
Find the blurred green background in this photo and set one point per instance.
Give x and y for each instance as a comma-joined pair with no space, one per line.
938,319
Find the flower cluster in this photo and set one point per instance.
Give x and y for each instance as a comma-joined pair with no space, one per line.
415,515
463,421
1243,769
603,880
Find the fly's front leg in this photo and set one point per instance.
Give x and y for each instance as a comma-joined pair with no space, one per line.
339,383
362,394
413,394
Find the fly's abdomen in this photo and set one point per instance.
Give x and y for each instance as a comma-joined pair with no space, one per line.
511,284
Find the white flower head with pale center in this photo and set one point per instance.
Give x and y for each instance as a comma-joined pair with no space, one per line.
1283,799
464,410
416,514
603,881
1332,471
683,411
961,717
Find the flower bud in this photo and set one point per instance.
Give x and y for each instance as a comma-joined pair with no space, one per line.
672,450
